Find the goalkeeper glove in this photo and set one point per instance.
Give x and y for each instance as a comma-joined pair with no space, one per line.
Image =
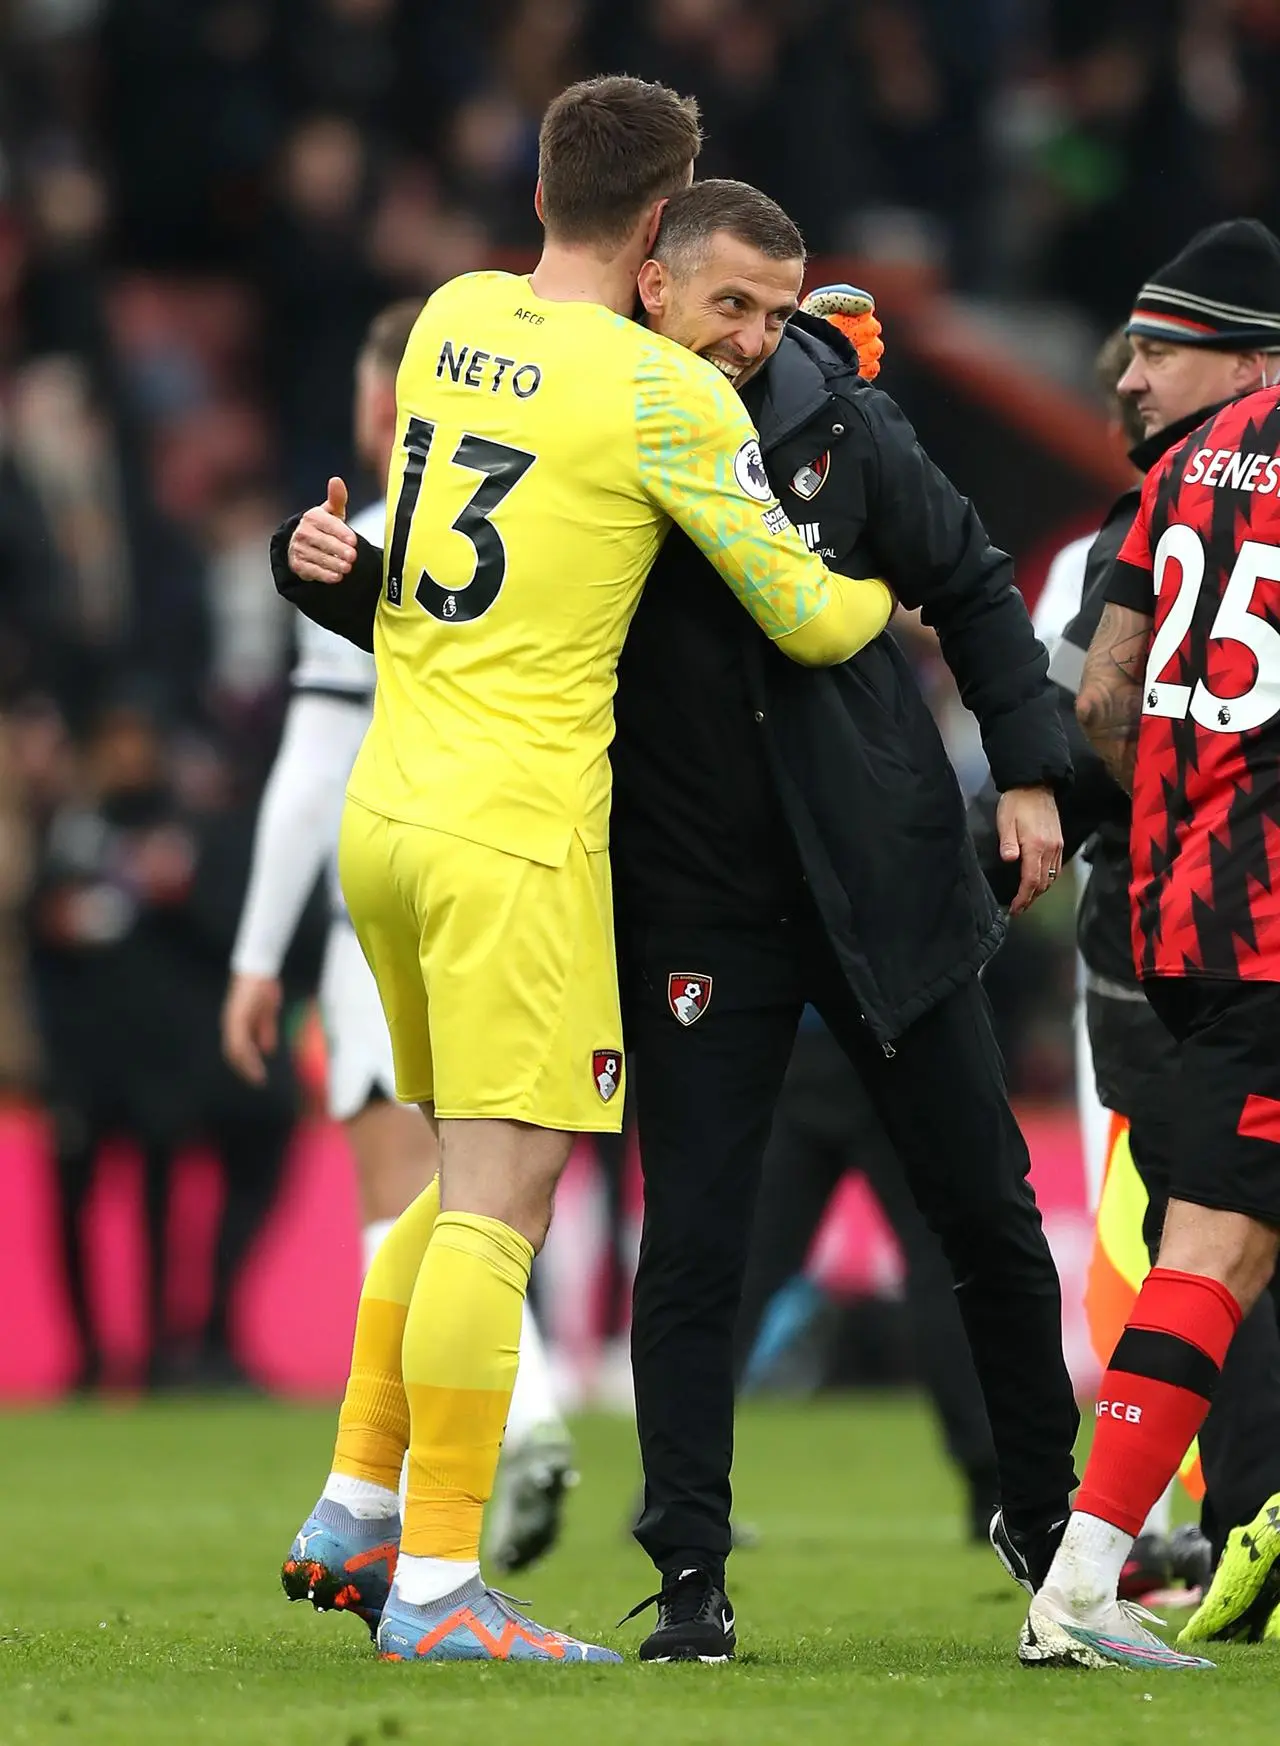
854,313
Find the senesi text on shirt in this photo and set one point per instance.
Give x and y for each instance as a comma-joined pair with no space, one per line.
1234,471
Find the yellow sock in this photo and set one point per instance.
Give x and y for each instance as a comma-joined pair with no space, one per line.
373,1425
461,1343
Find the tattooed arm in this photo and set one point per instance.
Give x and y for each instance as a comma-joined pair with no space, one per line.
1109,704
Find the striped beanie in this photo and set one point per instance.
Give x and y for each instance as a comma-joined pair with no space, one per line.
1222,290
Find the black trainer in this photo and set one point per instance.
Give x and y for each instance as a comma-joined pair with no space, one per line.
695,1620
1027,1556
1147,1568
1190,1557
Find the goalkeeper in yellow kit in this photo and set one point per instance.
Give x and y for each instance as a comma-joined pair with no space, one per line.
545,444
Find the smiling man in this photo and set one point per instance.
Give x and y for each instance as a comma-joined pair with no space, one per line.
728,293
776,843
544,444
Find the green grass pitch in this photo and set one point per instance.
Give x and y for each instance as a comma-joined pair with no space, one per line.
140,1603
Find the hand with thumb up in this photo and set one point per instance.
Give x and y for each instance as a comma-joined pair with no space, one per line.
323,547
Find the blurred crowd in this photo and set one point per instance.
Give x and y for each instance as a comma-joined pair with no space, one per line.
203,202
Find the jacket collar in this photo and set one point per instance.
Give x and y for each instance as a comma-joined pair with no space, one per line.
1145,454
793,386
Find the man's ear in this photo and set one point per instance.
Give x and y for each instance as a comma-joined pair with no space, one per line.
652,287
1259,367
655,223
537,200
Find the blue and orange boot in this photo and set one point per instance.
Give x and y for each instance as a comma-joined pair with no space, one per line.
339,1561
475,1623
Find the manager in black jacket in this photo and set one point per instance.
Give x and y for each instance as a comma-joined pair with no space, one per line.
779,839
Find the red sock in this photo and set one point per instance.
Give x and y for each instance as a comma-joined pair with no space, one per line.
1155,1394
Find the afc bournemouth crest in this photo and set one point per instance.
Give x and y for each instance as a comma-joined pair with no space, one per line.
606,1070
688,996
808,480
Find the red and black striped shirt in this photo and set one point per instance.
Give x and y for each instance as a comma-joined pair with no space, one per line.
1203,557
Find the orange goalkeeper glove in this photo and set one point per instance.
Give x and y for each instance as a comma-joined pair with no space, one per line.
854,313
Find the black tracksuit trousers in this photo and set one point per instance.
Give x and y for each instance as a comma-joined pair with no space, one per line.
824,1126
705,1094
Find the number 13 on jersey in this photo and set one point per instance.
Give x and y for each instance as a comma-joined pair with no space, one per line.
1234,622
501,469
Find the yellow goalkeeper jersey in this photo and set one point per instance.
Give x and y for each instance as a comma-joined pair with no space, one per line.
542,451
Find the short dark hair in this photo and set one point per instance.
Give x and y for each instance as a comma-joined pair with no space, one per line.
693,216
387,338
1113,359
608,148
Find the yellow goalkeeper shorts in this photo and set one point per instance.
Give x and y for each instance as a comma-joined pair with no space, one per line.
497,975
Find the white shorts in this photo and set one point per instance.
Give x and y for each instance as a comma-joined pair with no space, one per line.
360,1064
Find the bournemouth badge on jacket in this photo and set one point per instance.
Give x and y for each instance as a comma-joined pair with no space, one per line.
606,1070
808,480
688,996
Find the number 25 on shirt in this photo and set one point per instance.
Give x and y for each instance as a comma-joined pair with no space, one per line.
1236,622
